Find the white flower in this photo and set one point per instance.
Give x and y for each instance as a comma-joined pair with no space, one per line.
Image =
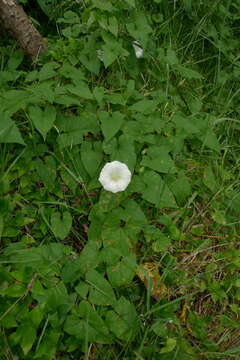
115,176
137,48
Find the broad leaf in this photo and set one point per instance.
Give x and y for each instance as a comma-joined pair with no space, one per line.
123,272
9,132
101,292
139,28
61,224
110,124
156,191
88,313
46,171
91,155
210,140
28,336
123,322
125,152
43,119
159,159
144,106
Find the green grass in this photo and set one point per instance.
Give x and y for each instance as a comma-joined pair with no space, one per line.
151,272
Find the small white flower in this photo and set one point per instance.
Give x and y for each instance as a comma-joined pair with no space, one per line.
115,176
137,48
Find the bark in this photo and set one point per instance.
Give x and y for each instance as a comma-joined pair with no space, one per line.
14,20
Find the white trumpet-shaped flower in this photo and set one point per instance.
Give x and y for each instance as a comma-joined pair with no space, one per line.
115,176
137,48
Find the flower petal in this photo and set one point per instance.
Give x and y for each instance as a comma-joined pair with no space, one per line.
115,176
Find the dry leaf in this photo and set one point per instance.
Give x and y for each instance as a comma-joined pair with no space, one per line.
149,271
183,316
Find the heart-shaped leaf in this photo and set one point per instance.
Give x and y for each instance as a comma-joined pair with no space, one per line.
110,125
61,224
43,120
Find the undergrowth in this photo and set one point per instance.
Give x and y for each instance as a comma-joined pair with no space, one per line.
151,272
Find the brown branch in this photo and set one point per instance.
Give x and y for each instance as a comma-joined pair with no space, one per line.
14,20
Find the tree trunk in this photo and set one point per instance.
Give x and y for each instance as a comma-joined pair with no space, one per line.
14,20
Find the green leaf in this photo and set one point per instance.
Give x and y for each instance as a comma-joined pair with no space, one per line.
69,139
43,120
130,2
75,127
117,325
161,244
125,152
98,93
48,345
168,222
101,292
113,25
12,101
62,98
15,290
219,216
158,159
61,224
112,49
123,272
71,72
116,99
110,54
139,28
156,191
117,239
81,90
41,92
74,326
209,179
110,125
48,71
91,155
85,123
104,5
9,321
36,316
82,289
92,63
84,331
71,270
186,123
87,312
181,188
169,346
188,73
210,140
28,336
159,328
1,225
171,57
9,132
69,180
46,171
144,106
124,321
134,214
47,6
15,60
89,257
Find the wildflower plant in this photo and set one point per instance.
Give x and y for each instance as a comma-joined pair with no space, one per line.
119,193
